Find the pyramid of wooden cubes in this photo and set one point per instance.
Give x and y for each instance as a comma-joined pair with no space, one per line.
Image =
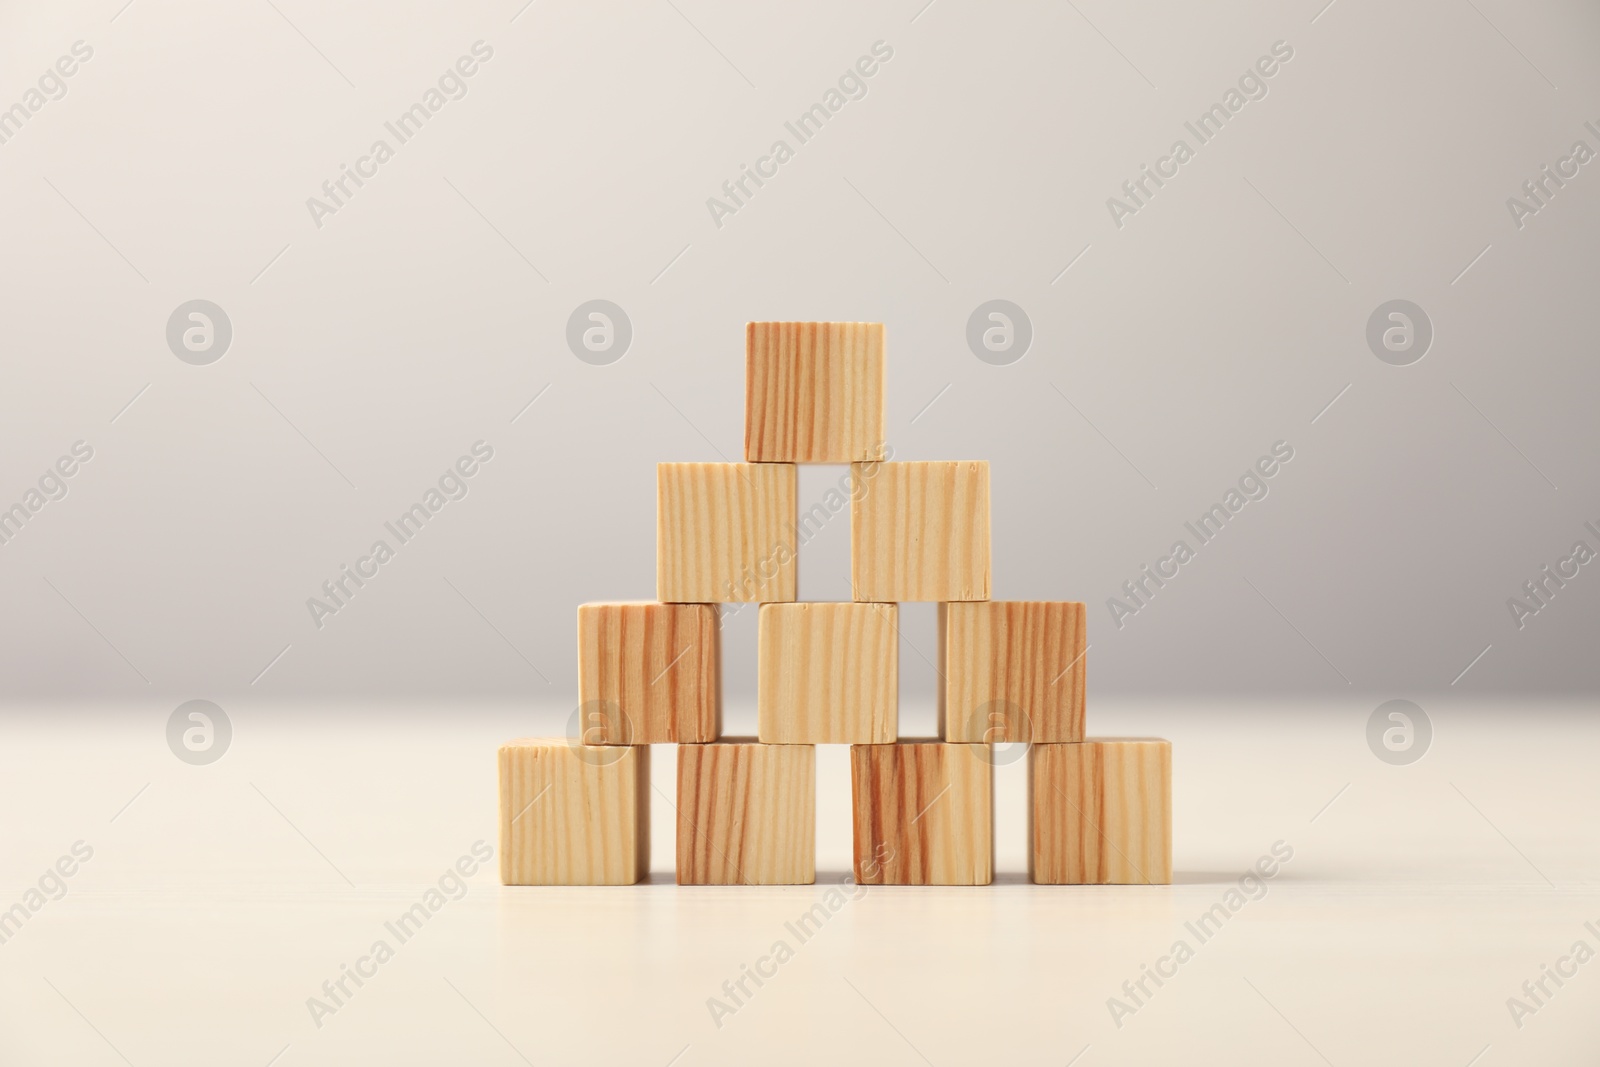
575,810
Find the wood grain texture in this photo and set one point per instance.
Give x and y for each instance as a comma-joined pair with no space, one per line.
827,674
725,532
747,814
813,392
920,531
922,813
1101,812
1013,671
573,814
647,673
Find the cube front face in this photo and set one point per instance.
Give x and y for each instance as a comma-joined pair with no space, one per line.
813,392
725,532
1013,671
922,814
920,531
647,673
573,814
1102,812
747,814
827,674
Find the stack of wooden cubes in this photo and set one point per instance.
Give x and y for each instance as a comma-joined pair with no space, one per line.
575,811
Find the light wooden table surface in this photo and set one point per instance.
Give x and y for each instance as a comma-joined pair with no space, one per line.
219,899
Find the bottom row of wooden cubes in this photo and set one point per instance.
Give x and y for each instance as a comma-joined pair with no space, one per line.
1100,813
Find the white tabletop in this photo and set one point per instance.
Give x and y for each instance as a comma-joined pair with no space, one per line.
219,899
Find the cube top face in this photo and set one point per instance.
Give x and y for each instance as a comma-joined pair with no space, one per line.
814,392
1102,812
1013,671
828,674
647,673
573,814
922,813
747,814
725,532
920,531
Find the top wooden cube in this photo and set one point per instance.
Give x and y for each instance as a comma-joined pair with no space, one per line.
813,392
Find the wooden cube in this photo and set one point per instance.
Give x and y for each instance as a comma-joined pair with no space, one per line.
827,674
747,814
1102,812
647,673
920,531
573,814
813,392
1013,671
923,813
725,532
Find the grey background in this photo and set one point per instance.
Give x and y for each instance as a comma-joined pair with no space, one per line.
369,354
